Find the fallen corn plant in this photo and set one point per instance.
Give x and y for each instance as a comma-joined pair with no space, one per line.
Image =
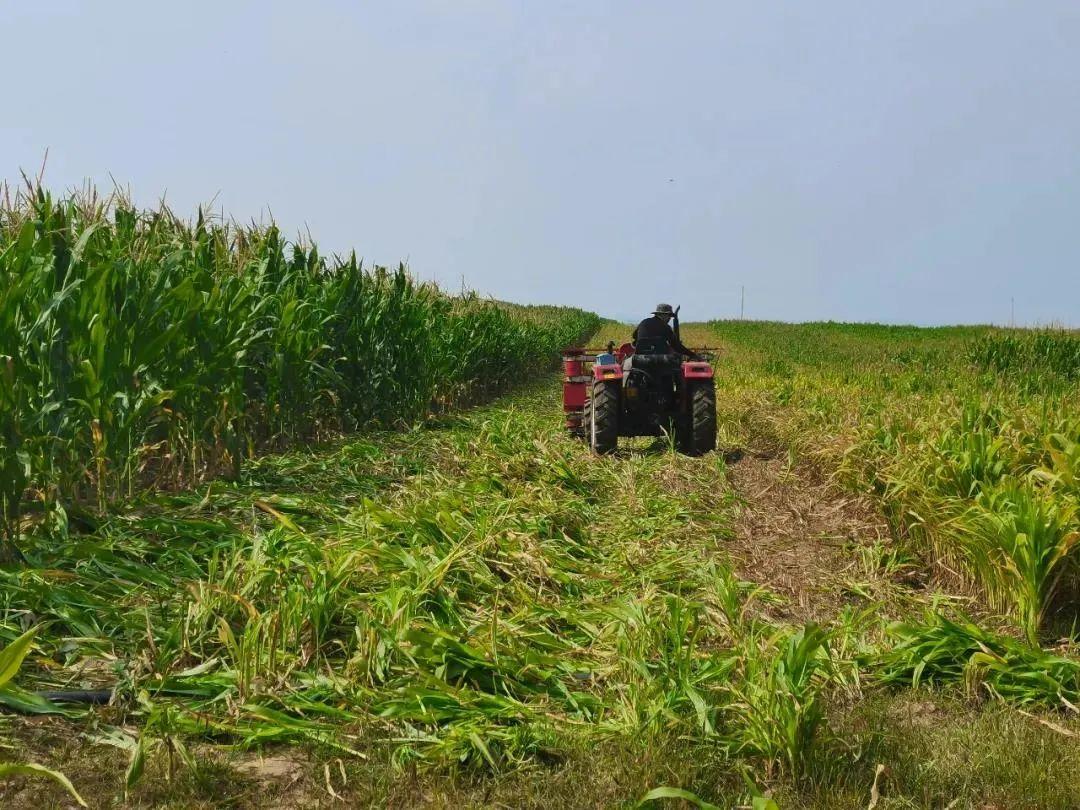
939,651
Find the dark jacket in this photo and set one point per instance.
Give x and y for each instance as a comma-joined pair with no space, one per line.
655,328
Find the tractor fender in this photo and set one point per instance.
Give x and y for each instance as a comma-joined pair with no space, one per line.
607,371
697,370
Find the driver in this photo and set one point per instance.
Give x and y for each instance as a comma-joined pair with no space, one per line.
657,327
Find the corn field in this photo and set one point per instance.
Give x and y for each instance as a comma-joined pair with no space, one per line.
141,351
969,435
268,506
1043,354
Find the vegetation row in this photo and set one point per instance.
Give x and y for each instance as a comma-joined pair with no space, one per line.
139,350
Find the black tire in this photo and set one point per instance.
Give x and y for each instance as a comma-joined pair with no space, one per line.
698,434
603,409
586,415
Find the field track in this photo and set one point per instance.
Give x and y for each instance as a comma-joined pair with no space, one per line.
478,612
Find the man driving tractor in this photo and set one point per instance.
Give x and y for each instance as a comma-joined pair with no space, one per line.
654,387
658,327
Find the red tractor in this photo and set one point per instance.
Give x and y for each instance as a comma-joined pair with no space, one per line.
642,390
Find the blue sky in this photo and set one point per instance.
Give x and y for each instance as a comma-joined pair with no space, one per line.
901,162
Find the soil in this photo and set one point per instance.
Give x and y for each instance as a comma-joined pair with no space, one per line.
799,535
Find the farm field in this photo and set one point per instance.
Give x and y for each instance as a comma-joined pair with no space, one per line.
478,612
283,573
968,438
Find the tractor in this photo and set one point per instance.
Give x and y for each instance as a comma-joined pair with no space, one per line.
639,390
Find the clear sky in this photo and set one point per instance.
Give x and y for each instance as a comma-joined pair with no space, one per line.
893,161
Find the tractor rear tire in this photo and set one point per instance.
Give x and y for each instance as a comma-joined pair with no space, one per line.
603,410
586,421
699,432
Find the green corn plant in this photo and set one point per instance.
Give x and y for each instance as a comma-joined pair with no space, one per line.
11,658
1046,352
13,655
1061,470
776,711
137,349
971,456
32,769
941,651
1021,542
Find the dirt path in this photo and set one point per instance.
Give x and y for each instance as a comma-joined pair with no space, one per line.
797,534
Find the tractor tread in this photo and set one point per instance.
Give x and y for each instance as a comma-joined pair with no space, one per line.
699,435
603,410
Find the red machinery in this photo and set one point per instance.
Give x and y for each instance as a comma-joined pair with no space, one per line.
649,391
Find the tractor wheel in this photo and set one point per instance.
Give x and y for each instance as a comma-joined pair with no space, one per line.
699,429
603,410
585,430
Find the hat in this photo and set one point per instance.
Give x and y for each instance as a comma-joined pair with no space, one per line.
663,309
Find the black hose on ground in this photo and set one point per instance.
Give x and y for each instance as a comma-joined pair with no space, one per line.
93,697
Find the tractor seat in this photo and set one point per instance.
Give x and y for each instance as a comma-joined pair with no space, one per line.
651,363
652,355
652,345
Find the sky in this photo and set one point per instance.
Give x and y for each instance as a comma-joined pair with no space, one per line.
914,162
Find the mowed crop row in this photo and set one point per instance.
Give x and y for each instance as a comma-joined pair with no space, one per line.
478,596
970,437
138,350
